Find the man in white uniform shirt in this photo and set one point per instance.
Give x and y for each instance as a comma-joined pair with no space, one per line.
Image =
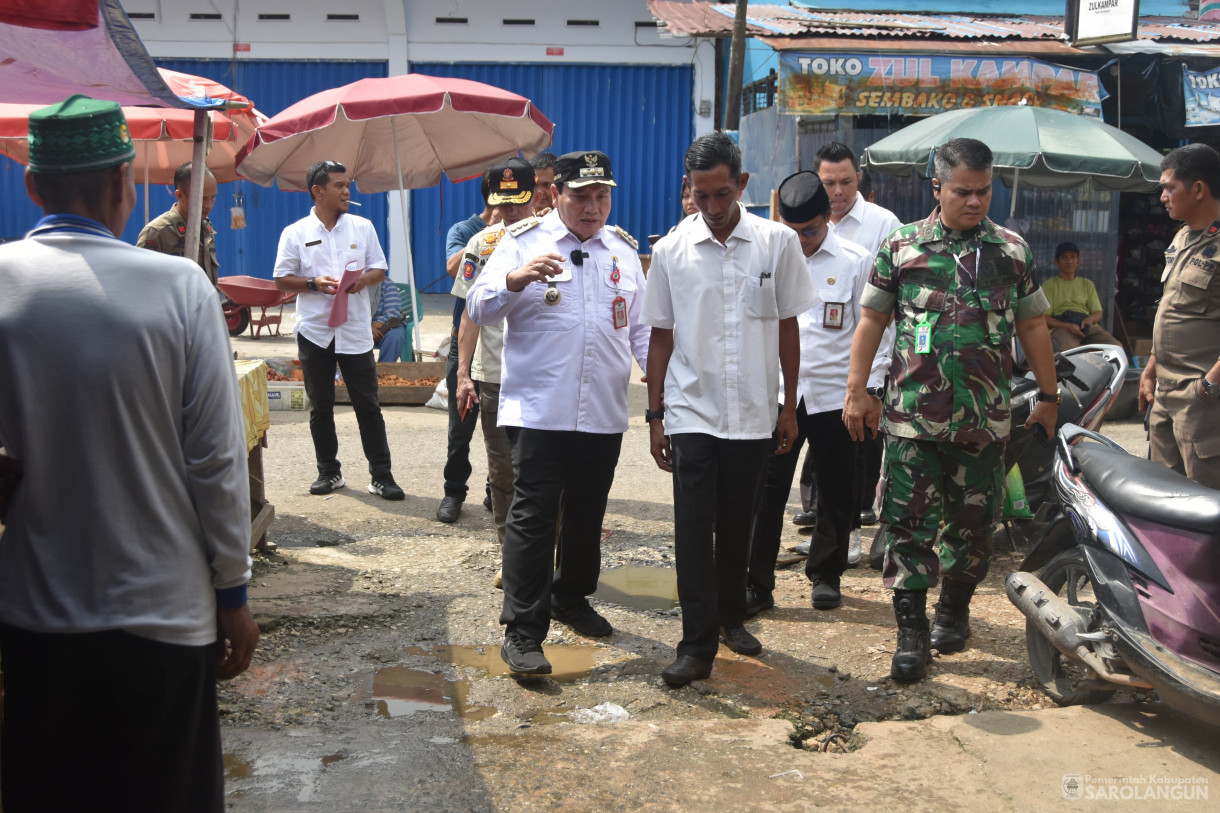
839,270
569,289
313,255
854,218
724,291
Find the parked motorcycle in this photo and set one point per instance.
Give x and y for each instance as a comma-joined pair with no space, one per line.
1090,378
1129,590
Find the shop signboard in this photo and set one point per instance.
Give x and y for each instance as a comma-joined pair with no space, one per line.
924,85
1201,97
1091,22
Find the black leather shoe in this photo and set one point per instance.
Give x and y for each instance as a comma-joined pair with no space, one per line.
825,595
581,617
805,518
685,669
524,655
868,517
740,640
757,601
449,509
802,548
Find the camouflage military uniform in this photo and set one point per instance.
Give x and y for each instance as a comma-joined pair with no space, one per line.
946,414
167,234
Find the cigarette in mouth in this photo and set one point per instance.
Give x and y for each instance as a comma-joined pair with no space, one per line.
354,203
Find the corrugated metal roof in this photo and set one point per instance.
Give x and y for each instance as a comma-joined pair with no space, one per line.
778,24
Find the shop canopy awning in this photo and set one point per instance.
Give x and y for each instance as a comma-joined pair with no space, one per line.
51,49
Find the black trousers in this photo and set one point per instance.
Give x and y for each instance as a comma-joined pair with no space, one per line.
360,375
461,431
869,470
575,469
835,456
715,482
108,721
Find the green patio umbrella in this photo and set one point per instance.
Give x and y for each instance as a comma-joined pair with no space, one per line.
1032,145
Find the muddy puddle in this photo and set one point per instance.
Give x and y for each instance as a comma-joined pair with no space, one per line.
397,691
569,662
642,588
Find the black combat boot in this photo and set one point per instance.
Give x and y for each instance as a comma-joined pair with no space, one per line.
951,627
910,662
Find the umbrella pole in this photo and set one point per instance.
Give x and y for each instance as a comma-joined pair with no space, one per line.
1016,181
402,205
194,216
146,190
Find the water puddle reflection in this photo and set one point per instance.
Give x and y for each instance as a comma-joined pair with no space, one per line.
644,588
397,691
236,767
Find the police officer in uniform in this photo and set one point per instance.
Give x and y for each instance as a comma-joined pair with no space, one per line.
569,289
957,286
167,233
1182,379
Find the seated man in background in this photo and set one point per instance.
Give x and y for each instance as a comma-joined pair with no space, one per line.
389,328
1075,314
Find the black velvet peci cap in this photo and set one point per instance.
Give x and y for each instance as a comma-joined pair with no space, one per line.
802,198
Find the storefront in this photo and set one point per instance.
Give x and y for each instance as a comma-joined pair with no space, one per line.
857,77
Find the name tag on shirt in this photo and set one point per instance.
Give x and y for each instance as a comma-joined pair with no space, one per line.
832,315
313,243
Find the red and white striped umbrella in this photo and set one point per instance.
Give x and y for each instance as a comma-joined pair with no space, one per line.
398,132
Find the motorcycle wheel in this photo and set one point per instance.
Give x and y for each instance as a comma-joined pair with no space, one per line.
1067,576
237,319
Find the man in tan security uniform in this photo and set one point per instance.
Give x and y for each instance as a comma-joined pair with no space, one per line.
1182,379
167,233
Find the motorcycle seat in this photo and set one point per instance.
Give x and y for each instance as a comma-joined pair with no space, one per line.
1148,490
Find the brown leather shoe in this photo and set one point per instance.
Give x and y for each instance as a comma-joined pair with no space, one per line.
685,669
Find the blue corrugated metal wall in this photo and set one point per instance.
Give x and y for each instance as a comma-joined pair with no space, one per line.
272,86
639,115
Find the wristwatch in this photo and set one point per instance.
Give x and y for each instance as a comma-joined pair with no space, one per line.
654,414
876,392
1211,390
311,284
1050,398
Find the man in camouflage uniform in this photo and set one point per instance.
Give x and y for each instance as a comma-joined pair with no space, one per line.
1181,381
958,286
167,233
511,188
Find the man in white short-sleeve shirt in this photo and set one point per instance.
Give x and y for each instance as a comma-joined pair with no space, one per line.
723,295
839,270
853,217
314,254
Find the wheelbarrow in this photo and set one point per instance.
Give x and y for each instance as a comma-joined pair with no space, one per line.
245,293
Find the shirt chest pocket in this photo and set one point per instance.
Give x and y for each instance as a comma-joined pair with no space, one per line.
608,293
535,315
760,297
997,305
1194,290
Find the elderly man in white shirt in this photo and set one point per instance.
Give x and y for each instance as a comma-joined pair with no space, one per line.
724,292
569,289
839,270
854,218
314,253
